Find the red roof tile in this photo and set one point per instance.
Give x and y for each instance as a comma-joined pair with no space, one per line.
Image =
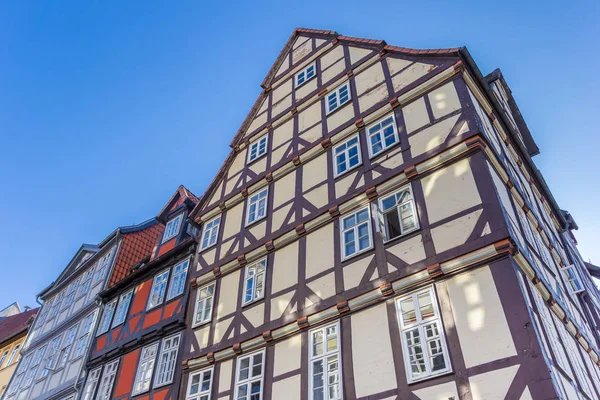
135,246
15,324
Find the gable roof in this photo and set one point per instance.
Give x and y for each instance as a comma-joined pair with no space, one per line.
16,324
181,195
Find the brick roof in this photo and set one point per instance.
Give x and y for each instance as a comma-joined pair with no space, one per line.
11,326
135,246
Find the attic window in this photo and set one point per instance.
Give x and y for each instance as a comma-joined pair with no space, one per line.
571,275
258,148
338,97
305,75
172,228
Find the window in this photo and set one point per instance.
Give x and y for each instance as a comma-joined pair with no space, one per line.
13,356
84,334
122,308
41,318
107,314
108,379
356,233
178,282
572,277
258,148
56,302
167,360
36,360
67,344
69,295
257,207
305,75
210,232
423,341
3,358
102,267
145,368
159,286
90,385
255,281
204,304
397,215
51,357
86,280
200,385
19,375
325,363
172,228
249,377
382,135
347,155
338,97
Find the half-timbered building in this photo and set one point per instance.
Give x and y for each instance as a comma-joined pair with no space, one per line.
56,348
380,231
135,351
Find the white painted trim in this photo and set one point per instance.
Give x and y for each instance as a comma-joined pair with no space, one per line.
337,97
334,156
370,228
323,357
198,290
384,147
248,204
250,380
200,393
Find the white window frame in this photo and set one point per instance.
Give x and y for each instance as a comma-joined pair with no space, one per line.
253,288
355,229
70,294
15,384
12,359
86,282
108,381
108,313
324,357
102,267
262,142
572,278
66,346
210,233
168,365
380,131
91,383
3,358
36,361
256,202
419,324
346,151
201,394
56,303
178,281
304,74
51,359
250,380
201,304
85,331
145,367
120,313
336,93
171,232
382,223
158,279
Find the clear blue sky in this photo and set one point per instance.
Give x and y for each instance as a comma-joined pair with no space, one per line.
107,106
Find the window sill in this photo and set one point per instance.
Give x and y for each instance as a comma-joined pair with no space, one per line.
383,152
162,384
328,113
345,173
405,236
201,324
249,224
433,376
202,250
296,85
252,302
250,162
371,247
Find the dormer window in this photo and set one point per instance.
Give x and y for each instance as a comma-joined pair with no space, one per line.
305,75
172,228
258,148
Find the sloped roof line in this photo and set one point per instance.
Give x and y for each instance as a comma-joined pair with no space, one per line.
15,324
182,192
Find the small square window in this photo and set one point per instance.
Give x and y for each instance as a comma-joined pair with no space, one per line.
254,285
356,233
258,148
210,230
338,97
172,228
382,135
397,214
305,75
257,207
347,155
200,385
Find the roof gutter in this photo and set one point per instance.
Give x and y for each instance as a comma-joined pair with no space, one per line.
484,86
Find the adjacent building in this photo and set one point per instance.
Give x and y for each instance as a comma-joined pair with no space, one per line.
137,346
379,230
57,346
14,325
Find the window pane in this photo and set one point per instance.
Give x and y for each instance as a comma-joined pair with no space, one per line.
425,305
408,311
317,343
